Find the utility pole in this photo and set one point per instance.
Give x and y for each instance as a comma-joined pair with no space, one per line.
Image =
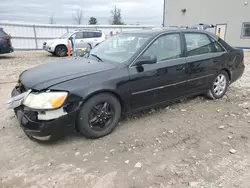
164,13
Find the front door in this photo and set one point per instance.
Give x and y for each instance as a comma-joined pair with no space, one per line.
88,38
164,80
79,41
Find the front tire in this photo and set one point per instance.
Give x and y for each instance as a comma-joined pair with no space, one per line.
61,51
219,86
99,116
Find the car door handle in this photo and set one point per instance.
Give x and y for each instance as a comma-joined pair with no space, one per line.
215,61
82,40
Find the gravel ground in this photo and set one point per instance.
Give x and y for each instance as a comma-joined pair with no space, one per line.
192,143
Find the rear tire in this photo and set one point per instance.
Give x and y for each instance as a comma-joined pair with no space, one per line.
219,86
61,51
99,116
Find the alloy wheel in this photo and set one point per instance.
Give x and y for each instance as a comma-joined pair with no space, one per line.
61,51
101,116
220,84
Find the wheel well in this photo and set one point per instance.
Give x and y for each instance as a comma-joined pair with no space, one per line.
61,45
109,92
228,73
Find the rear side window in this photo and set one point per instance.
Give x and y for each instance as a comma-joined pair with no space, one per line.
198,43
97,34
88,35
92,34
217,46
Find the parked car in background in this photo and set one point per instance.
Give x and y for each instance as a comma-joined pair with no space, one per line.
5,42
81,39
128,72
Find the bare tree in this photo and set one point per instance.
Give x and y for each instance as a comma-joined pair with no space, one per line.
78,17
51,19
116,18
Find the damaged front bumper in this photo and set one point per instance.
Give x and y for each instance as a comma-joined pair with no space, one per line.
46,124
42,129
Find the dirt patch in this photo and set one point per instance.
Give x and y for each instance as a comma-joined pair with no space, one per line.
185,144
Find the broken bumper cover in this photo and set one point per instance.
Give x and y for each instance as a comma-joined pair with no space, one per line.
39,129
55,128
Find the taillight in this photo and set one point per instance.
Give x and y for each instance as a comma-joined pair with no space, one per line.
5,38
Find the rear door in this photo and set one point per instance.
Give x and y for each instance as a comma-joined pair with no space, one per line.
204,59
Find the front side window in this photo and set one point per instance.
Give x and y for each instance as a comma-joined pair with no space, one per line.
198,44
165,47
120,48
245,30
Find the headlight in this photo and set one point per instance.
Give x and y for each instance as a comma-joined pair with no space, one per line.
46,100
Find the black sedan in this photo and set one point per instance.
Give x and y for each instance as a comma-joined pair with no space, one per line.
128,72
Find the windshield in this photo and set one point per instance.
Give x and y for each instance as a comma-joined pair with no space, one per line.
119,48
66,35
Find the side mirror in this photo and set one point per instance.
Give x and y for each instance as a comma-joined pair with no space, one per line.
144,59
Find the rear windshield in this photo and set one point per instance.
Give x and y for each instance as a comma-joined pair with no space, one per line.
2,33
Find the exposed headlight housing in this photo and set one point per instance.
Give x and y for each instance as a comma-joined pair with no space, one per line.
45,100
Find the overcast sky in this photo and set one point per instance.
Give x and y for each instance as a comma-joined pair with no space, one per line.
38,11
